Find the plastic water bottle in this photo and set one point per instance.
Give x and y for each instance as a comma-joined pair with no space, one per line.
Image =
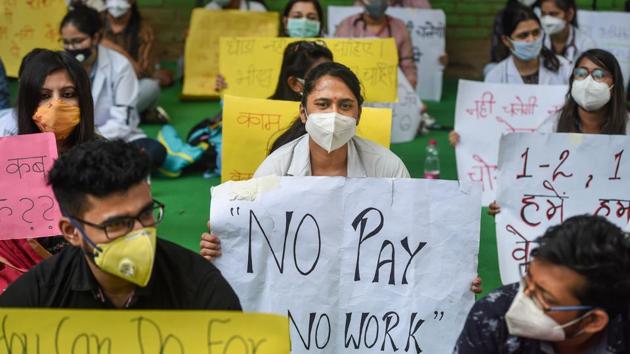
432,161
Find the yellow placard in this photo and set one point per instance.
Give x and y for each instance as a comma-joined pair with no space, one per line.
202,44
250,126
251,66
25,25
142,332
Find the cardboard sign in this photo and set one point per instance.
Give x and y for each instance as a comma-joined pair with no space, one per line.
251,66
28,207
610,31
484,111
251,125
142,332
360,265
28,24
546,178
202,44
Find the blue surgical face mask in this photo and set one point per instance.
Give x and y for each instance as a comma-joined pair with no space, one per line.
303,27
376,8
527,51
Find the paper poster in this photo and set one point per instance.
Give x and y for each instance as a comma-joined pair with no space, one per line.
28,24
202,45
610,31
427,29
251,66
546,178
142,332
359,265
251,125
405,112
28,207
484,111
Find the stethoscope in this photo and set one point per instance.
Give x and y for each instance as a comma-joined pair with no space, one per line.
360,19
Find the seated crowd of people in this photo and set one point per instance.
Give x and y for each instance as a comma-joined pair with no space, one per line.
574,296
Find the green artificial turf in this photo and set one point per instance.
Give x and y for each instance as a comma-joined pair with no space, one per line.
187,198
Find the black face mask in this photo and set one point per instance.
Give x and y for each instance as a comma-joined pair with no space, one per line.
80,54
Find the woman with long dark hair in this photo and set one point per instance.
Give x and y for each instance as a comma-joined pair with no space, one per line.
562,35
596,101
53,96
529,62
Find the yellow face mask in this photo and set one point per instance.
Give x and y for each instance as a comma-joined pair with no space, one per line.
58,117
129,257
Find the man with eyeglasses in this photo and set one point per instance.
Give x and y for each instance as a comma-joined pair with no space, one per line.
116,261
573,298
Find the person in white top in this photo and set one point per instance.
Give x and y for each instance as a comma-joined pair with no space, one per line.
562,35
113,80
596,101
243,5
329,113
530,62
325,143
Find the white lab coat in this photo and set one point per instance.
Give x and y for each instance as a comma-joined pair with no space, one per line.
577,43
115,93
505,72
365,159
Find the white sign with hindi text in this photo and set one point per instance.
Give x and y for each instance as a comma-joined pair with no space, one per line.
361,265
427,29
546,178
484,111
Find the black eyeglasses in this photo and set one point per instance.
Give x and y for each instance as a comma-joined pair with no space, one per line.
598,74
117,227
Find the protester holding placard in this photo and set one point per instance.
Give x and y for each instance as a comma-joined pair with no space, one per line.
572,298
373,22
562,35
302,18
115,259
321,142
243,5
128,33
114,83
595,103
530,62
54,96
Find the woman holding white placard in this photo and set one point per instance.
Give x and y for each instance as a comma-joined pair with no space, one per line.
529,62
595,103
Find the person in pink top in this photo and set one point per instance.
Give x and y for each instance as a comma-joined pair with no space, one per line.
373,22
414,4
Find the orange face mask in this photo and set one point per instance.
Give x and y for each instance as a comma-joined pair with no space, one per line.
58,117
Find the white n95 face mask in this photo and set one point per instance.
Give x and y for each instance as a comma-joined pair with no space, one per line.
526,319
330,130
117,8
590,94
552,25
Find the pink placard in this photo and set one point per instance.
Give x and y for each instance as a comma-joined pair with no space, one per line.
28,207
